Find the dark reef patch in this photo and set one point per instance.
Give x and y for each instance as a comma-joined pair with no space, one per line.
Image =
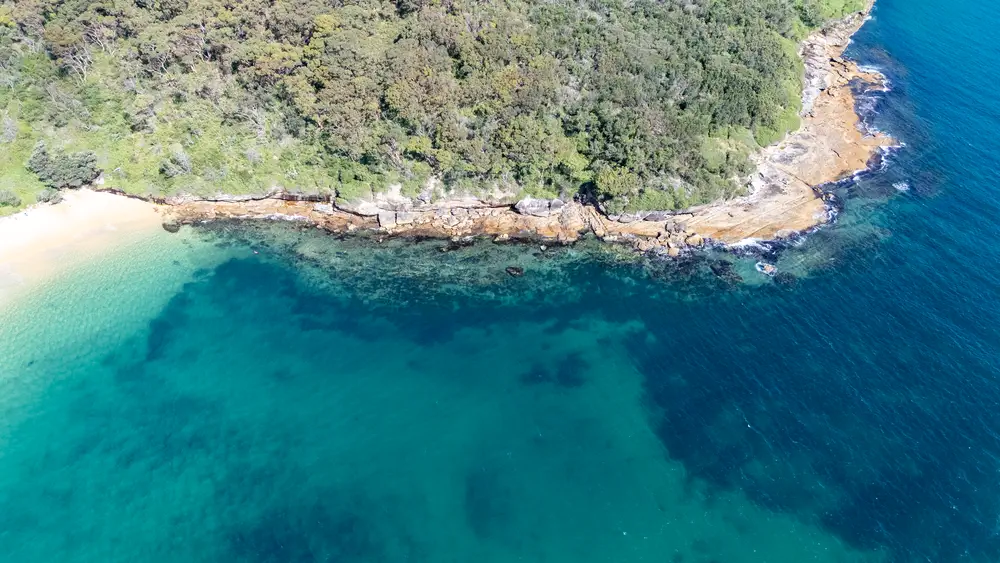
487,503
781,417
568,372
785,279
161,329
535,374
316,532
723,269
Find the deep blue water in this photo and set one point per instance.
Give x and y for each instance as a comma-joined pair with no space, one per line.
338,400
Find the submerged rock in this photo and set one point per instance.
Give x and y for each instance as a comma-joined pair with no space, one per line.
171,226
785,279
515,271
723,269
457,243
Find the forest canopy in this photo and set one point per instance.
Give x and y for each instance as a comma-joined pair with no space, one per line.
643,103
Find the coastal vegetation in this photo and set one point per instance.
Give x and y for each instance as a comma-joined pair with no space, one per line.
644,104
9,199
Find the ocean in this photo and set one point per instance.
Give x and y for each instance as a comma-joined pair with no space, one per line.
267,392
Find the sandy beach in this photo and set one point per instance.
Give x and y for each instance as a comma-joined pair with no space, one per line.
46,239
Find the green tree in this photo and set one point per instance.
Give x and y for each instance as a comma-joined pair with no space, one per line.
58,170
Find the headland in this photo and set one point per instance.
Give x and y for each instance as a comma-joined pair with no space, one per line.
785,193
785,196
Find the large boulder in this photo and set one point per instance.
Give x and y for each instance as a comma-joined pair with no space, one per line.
571,219
532,206
373,204
386,219
658,216
393,199
627,217
359,206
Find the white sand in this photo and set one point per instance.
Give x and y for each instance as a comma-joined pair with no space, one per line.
48,239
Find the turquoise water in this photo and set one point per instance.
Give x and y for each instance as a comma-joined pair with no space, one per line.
264,393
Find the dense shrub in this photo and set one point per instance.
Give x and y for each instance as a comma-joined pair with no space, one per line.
48,195
177,164
616,187
57,169
8,130
9,199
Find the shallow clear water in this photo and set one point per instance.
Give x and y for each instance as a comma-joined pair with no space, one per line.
262,393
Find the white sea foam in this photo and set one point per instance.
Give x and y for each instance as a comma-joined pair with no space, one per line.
884,82
871,69
831,214
747,242
750,246
867,105
901,186
886,152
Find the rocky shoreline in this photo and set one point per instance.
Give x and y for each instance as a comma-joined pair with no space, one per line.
785,192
